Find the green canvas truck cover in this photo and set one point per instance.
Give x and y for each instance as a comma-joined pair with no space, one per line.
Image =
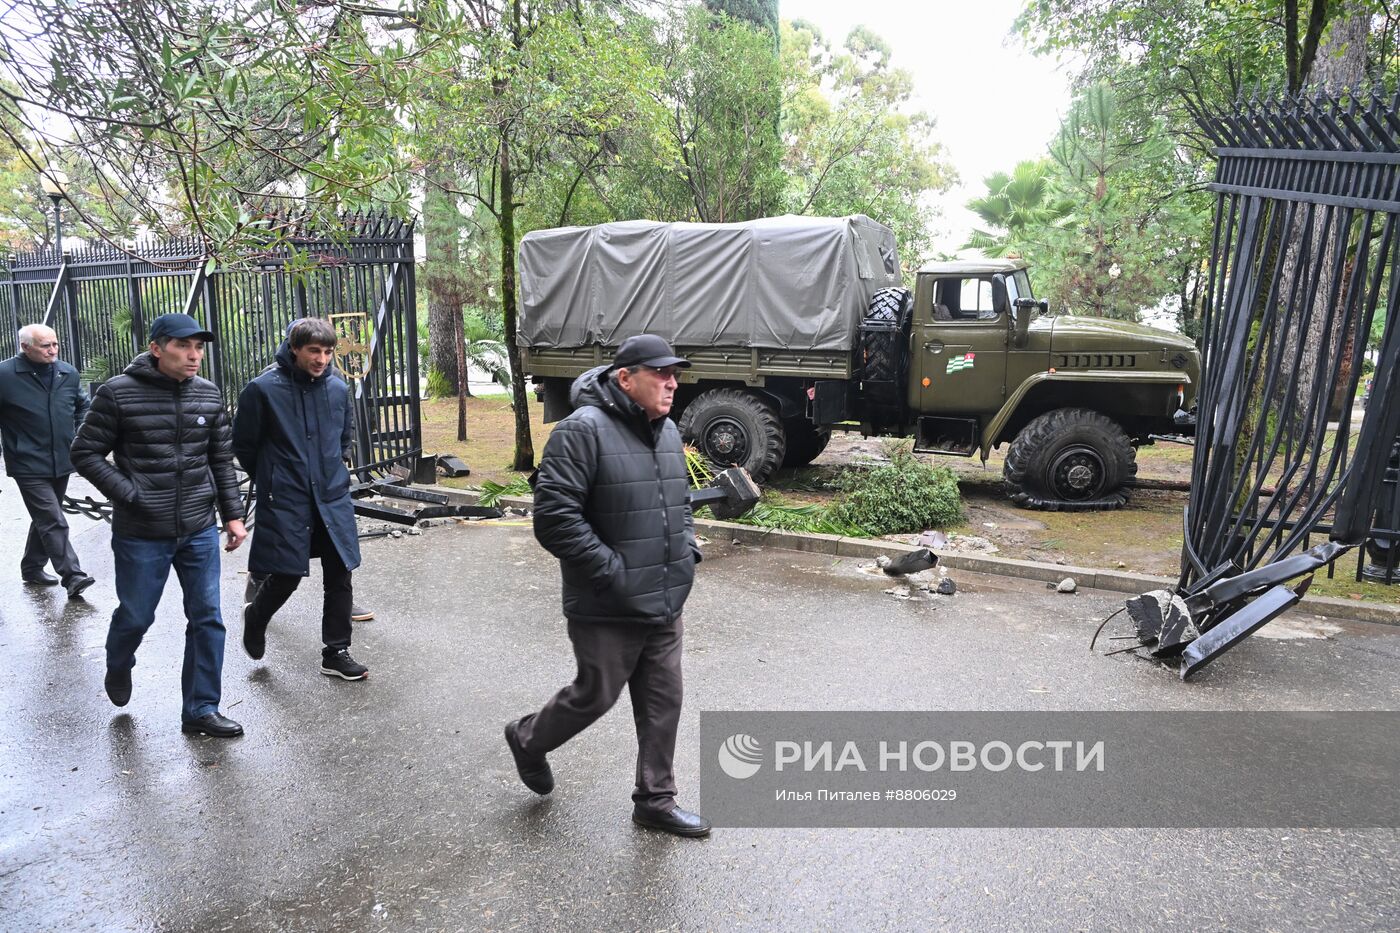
790,283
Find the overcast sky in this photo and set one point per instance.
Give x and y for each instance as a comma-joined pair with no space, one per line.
995,103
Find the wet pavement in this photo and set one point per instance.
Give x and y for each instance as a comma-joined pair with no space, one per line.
392,804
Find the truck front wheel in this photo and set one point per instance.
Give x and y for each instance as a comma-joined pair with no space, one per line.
1070,460
731,427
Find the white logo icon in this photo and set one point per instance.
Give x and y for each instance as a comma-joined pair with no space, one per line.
201,419
740,756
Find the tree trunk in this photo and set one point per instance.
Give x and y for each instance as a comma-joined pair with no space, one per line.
441,233
459,341
1341,63
1340,66
524,445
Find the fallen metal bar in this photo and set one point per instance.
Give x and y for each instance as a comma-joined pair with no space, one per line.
1236,628
459,511
1237,587
385,513
395,491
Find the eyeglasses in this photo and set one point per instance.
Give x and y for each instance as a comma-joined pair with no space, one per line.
668,372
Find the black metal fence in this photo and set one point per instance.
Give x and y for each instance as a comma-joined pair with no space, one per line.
1304,262
101,301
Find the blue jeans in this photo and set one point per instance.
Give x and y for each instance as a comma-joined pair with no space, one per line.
142,567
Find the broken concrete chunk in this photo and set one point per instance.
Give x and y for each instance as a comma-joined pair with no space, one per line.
1146,611
933,539
913,562
1067,585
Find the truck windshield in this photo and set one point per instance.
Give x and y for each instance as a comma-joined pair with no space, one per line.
1019,285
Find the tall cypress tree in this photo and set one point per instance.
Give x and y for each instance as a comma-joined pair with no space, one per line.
760,13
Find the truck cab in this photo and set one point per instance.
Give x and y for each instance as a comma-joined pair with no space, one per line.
987,359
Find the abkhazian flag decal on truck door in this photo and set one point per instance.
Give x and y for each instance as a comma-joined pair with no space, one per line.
958,363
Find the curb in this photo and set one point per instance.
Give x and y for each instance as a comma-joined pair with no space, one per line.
1116,581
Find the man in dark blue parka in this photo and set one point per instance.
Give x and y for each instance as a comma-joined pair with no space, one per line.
611,503
292,434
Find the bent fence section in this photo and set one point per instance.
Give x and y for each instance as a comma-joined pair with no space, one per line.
1304,264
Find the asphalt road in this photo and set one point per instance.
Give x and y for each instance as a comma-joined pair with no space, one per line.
392,804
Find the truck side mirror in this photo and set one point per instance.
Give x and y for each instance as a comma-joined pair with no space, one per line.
1024,308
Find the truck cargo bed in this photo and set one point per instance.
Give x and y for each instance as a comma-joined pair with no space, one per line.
750,365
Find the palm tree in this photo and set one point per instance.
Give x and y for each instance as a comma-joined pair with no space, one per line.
1019,205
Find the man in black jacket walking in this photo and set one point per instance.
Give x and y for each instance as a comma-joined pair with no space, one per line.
610,503
292,434
170,435
41,406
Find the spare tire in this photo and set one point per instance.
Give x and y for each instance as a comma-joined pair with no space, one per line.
731,427
1070,460
883,334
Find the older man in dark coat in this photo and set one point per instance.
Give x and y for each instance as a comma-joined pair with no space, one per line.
611,504
41,406
292,434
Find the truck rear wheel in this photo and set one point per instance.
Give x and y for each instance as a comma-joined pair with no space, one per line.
1070,460
731,427
805,441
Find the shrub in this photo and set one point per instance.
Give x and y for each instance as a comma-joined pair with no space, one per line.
902,496
438,384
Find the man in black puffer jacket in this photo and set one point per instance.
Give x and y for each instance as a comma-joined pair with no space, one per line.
611,504
172,443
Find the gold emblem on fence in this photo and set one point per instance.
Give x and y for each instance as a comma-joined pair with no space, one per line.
352,343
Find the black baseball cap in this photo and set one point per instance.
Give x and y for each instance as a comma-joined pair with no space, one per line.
647,350
178,325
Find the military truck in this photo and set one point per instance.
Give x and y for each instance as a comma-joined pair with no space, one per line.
798,326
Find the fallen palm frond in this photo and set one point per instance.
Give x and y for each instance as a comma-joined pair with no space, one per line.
492,493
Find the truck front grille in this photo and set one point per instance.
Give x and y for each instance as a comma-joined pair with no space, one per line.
1097,360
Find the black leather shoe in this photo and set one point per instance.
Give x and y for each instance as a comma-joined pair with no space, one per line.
76,585
676,821
534,771
215,724
118,686
39,578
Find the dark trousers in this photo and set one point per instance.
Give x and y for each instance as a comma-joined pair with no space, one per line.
48,527
647,660
274,589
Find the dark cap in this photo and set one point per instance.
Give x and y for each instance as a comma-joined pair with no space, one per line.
178,325
647,350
